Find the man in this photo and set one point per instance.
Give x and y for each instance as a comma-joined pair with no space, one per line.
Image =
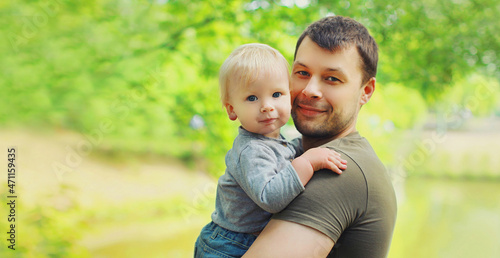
348,215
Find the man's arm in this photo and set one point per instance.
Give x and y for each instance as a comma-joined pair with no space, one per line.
283,238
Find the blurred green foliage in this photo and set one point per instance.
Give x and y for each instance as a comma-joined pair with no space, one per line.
44,229
385,119
476,93
147,67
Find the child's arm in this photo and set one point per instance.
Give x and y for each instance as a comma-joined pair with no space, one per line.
315,159
270,181
268,184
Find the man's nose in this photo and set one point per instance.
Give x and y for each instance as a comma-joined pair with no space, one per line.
266,107
312,89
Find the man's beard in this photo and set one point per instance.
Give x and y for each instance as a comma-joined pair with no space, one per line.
335,124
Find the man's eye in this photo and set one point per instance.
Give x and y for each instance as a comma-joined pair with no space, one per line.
332,79
276,94
252,98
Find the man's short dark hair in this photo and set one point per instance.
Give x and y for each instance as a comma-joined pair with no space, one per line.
337,32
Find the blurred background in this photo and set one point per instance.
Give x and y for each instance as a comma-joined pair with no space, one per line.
113,107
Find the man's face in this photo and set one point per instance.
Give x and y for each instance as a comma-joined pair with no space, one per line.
326,90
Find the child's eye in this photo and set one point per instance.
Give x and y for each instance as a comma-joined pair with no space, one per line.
276,94
252,98
303,73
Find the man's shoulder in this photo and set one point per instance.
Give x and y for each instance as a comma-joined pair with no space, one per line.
365,171
352,143
357,149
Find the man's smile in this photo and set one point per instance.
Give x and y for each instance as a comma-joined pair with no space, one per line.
309,110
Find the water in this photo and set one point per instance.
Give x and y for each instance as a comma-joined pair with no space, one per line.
440,218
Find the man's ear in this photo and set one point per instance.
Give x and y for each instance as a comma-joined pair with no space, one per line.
367,91
230,112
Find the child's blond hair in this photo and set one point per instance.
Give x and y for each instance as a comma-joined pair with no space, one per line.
244,65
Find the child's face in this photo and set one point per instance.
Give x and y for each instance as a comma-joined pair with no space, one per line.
262,107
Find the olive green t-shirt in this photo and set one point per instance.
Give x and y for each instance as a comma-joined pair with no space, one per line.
356,209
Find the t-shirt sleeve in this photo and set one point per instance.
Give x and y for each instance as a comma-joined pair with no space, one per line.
270,183
330,203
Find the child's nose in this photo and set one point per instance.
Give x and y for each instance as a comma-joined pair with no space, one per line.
266,108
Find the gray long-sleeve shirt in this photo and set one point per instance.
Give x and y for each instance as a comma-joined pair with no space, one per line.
259,180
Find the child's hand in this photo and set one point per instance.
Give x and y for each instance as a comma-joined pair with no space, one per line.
324,158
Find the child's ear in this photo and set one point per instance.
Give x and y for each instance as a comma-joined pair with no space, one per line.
230,112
